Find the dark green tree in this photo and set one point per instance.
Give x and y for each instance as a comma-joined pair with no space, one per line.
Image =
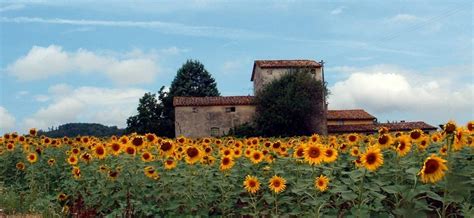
287,106
192,79
156,115
148,117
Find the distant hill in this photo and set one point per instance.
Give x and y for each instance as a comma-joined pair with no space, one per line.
75,129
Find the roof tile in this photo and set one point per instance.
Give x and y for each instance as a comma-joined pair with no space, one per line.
354,114
212,101
373,128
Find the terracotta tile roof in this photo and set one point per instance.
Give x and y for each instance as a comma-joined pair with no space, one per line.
212,101
373,128
284,64
355,114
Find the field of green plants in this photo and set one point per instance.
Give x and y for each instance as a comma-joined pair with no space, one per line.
389,174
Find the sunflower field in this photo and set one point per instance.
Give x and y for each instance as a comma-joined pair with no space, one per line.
389,174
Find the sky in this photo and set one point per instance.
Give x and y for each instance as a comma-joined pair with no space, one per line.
91,61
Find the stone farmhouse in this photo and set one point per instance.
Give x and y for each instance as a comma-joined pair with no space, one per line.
215,116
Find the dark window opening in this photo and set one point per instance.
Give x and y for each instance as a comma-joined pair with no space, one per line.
195,110
214,131
229,109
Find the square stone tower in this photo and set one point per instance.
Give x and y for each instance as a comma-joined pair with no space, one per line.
265,71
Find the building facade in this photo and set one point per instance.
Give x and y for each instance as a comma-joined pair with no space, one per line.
214,116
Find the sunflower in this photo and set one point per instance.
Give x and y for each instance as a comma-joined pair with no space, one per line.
269,158
276,145
75,151
10,147
227,152
313,154
100,152
151,173
449,127
237,152
62,197
358,162
226,163
123,140
20,166
403,146
315,138
437,137
423,143
443,150
383,130
277,184
193,155
33,132
131,150
256,157
299,152
355,151
167,148
147,156
138,142
330,155
51,162
151,138
372,158
32,157
86,157
251,184
113,174
116,148
76,172
352,139
72,160
384,140
103,168
416,135
321,183
470,126
459,139
433,169
170,163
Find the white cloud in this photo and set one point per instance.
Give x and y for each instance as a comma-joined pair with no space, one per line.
405,18
394,93
12,7
43,62
7,121
173,50
85,104
337,10
164,27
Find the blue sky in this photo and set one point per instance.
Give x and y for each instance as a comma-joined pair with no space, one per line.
84,61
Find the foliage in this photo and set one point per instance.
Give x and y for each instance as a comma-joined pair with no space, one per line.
244,130
75,129
131,176
286,107
157,115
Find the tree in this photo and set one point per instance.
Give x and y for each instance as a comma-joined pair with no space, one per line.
289,106
156,115
149,113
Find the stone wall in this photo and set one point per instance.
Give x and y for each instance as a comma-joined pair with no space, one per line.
203,121
266,75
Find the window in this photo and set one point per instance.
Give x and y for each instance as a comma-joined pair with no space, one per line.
195,110
229,109
340,122
214,131
313,71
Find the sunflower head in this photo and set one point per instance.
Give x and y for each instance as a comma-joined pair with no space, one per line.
147,156
330,155
470,126
256,157
449,127
403,146
20,166
32,157
433,169
251,184
151,172
277,184
372,159
76,172
321,183
313,154
226,163
170,163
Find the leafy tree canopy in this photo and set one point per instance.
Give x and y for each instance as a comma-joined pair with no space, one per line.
286,107
76,129
156,113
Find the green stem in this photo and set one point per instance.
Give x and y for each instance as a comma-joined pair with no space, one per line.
449,140
361,186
